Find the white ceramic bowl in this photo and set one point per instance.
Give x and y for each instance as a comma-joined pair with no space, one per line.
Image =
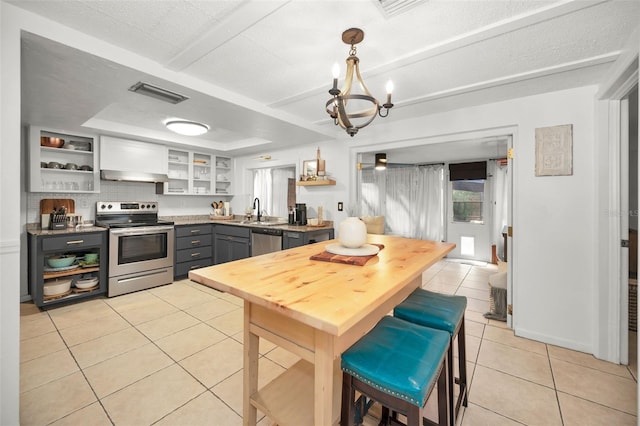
312,222
55,287
86,282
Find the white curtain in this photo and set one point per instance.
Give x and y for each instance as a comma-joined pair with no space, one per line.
429,218
501,203
262,188
410,198
280,179
372,190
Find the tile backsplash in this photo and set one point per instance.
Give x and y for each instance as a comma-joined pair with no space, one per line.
169,205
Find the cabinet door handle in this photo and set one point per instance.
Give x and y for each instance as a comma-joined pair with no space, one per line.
195,241
195,231
75,242
195,254
195,267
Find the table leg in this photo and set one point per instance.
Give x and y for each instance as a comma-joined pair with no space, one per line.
250,370
327,383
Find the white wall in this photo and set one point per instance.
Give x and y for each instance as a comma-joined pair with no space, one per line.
10,229
338,168
553,245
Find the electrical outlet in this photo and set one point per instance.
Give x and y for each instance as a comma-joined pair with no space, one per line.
340,206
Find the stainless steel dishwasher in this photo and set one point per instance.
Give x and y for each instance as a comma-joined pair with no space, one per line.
265,240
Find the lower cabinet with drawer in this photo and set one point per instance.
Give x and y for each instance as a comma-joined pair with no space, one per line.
194,248
291,239
53,283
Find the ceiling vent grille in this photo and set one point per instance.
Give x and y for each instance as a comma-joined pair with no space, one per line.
158,93
396,7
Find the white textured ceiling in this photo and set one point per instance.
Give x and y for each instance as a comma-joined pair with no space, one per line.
258,71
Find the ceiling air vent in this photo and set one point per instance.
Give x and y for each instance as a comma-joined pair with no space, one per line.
396,7
157,92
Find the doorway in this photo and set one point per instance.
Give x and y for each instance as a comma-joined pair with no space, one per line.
629,225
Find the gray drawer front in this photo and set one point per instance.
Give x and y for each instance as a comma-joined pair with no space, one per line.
234,231
193,254
191,241
192,230
71,242
182,269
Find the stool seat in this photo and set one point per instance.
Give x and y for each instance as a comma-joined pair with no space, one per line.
435,310
443,312
399,358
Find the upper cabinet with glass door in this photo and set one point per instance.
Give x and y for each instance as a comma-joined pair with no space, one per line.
224,174
195,173
62,161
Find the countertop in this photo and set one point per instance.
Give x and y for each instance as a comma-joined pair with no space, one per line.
332,297
200,219
34,229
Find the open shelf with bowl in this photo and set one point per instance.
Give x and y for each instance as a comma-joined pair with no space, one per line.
67,267
61,161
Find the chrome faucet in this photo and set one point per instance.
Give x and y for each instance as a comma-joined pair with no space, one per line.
258,214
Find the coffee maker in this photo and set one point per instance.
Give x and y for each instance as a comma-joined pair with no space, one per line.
301,214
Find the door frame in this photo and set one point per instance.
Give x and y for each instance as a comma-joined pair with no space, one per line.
610,322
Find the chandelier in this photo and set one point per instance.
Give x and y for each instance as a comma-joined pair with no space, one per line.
353,111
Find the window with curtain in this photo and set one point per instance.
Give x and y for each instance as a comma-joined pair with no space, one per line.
270,185
410,198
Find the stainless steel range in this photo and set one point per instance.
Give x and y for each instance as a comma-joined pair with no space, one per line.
141,248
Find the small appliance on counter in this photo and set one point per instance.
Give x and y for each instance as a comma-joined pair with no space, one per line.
301,214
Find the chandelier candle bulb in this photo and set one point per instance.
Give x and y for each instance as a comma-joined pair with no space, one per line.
335,71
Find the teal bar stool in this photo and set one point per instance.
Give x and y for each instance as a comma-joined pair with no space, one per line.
397,363
442,312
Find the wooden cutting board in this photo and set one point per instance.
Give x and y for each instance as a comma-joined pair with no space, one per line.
48,204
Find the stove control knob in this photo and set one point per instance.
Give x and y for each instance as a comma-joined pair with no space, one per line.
109,206
142,206
153,206
103,207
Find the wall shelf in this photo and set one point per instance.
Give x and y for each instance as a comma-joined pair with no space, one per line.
324,182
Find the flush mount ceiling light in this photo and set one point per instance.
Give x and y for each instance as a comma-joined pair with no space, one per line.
353,111
187,128
381,161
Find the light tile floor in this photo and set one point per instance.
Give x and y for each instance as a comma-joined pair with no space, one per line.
172,355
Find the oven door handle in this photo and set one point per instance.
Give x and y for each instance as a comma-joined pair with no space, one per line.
143,230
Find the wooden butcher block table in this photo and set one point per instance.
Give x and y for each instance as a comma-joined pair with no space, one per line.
315,310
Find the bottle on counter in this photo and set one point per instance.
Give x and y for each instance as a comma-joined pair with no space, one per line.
292,216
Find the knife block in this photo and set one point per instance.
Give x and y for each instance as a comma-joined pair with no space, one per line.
57,221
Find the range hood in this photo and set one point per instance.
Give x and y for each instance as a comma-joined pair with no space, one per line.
132,161
130,176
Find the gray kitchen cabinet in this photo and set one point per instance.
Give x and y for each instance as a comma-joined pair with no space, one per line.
41,247
291,239
231,243
193,248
